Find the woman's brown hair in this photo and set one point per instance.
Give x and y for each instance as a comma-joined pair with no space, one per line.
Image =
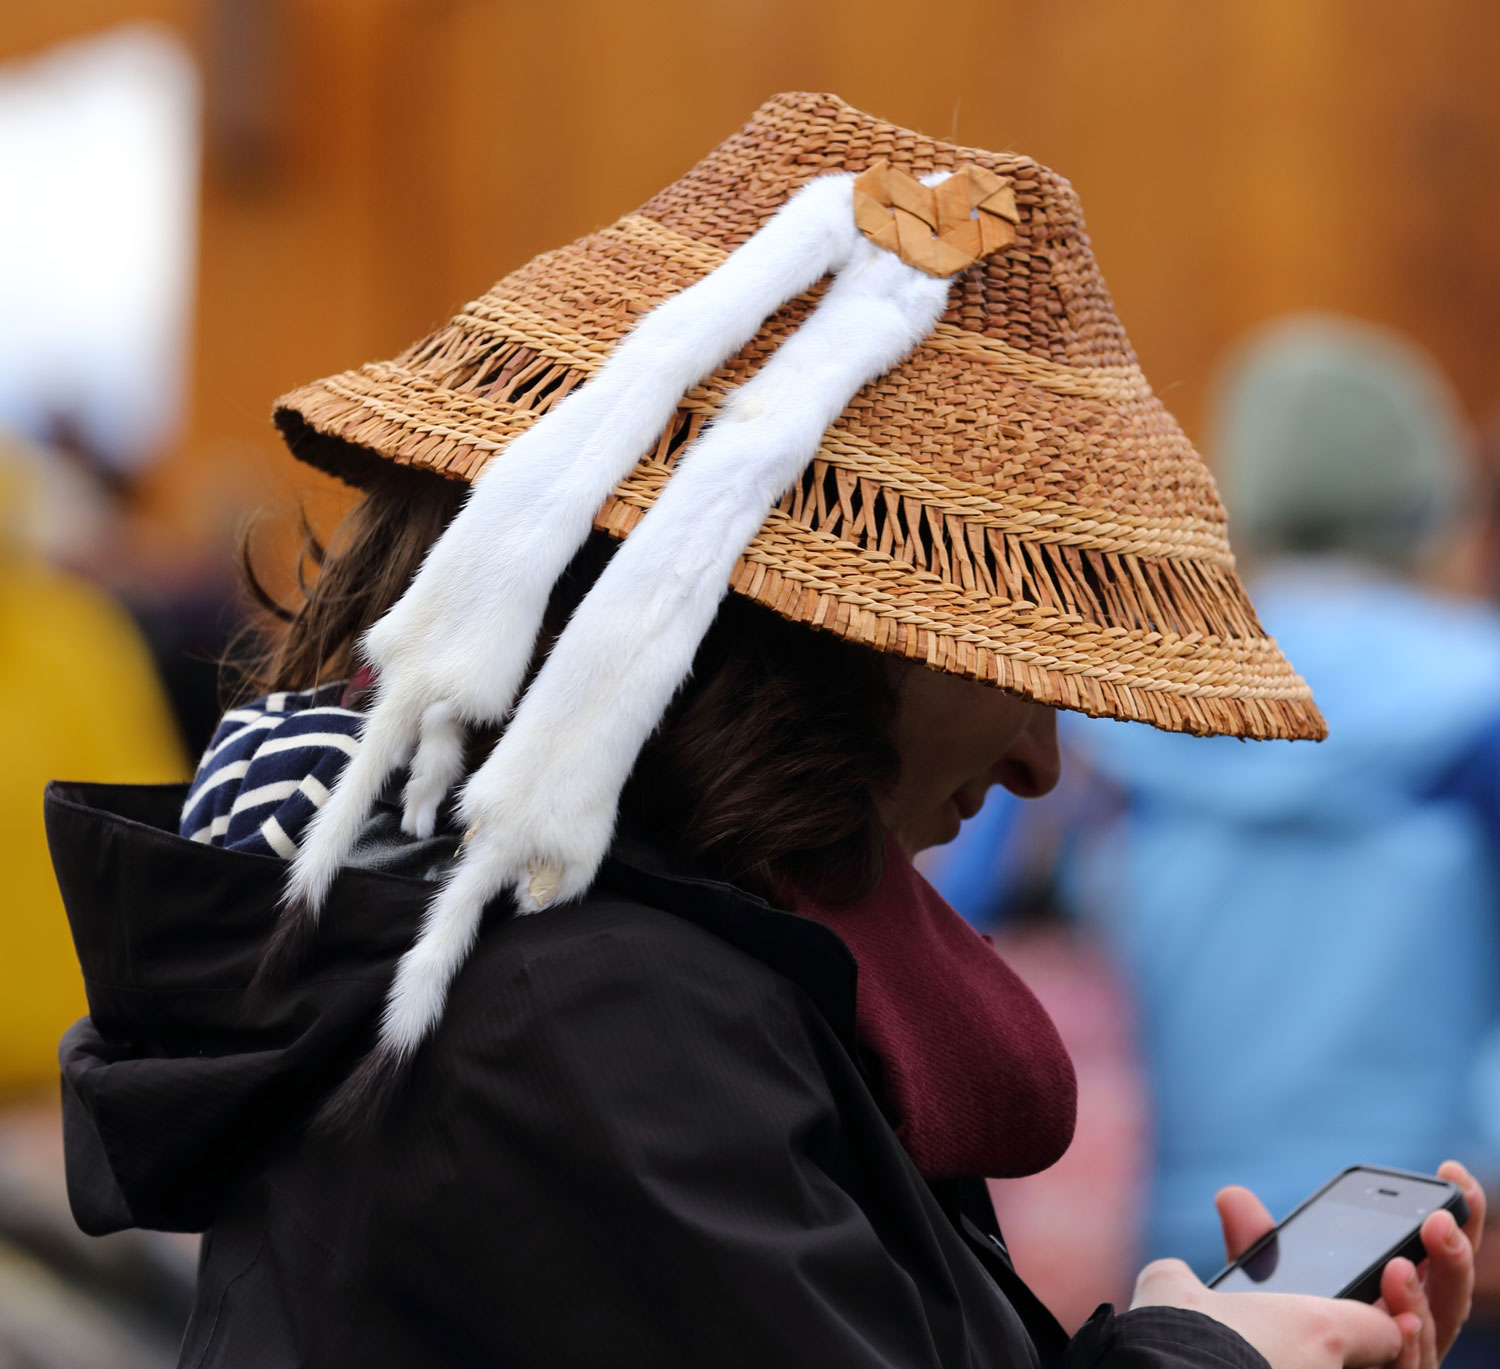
769,764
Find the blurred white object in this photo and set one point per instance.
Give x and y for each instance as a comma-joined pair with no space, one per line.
99,148
48,509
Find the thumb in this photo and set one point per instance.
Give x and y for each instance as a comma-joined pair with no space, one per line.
1166,1283
1243,1217
1365,1334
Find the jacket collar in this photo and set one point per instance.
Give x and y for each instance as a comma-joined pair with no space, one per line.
116,847
811,955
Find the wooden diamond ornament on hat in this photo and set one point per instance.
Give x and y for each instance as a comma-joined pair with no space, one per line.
941,229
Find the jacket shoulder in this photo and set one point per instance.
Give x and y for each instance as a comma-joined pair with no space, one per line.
648,929
582,961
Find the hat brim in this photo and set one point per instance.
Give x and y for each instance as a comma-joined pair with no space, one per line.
1016,518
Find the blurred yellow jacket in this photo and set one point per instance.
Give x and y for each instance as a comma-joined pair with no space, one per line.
79,699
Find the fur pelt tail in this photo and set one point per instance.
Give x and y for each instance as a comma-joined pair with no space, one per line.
449,928
291,939
329,837
384,744
358,1103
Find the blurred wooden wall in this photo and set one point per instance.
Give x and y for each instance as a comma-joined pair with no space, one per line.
371,164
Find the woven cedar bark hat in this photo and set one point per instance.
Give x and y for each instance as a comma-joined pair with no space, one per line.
907,345
1010,503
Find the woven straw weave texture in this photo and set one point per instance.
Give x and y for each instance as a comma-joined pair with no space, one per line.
1011,503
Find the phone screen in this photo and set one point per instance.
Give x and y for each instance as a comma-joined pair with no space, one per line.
1333,1240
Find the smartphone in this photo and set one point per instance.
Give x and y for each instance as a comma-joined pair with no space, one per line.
1337,1242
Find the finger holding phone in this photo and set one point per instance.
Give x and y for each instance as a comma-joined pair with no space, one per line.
1418,1313
1438,1293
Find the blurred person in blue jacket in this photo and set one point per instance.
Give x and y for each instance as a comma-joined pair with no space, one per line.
1359,877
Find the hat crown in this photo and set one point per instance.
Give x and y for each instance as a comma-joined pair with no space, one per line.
1044,296
1029,331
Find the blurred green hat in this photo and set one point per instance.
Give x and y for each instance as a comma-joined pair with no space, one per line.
1334,436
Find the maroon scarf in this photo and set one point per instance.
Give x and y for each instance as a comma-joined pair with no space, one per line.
975,1077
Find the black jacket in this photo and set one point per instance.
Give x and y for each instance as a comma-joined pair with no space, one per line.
641,1136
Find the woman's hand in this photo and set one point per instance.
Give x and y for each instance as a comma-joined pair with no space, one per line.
1292,1330
1431,1304
1412,1327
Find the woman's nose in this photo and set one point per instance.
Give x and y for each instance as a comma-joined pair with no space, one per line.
1032,765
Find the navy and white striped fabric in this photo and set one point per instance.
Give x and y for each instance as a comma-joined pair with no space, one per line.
269,769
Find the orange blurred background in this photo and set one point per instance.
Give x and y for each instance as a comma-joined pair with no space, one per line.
371,164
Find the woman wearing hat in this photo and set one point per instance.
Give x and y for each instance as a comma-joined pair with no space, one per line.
598,1014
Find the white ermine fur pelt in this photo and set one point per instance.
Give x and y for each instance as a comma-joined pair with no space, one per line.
541,810
454,649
